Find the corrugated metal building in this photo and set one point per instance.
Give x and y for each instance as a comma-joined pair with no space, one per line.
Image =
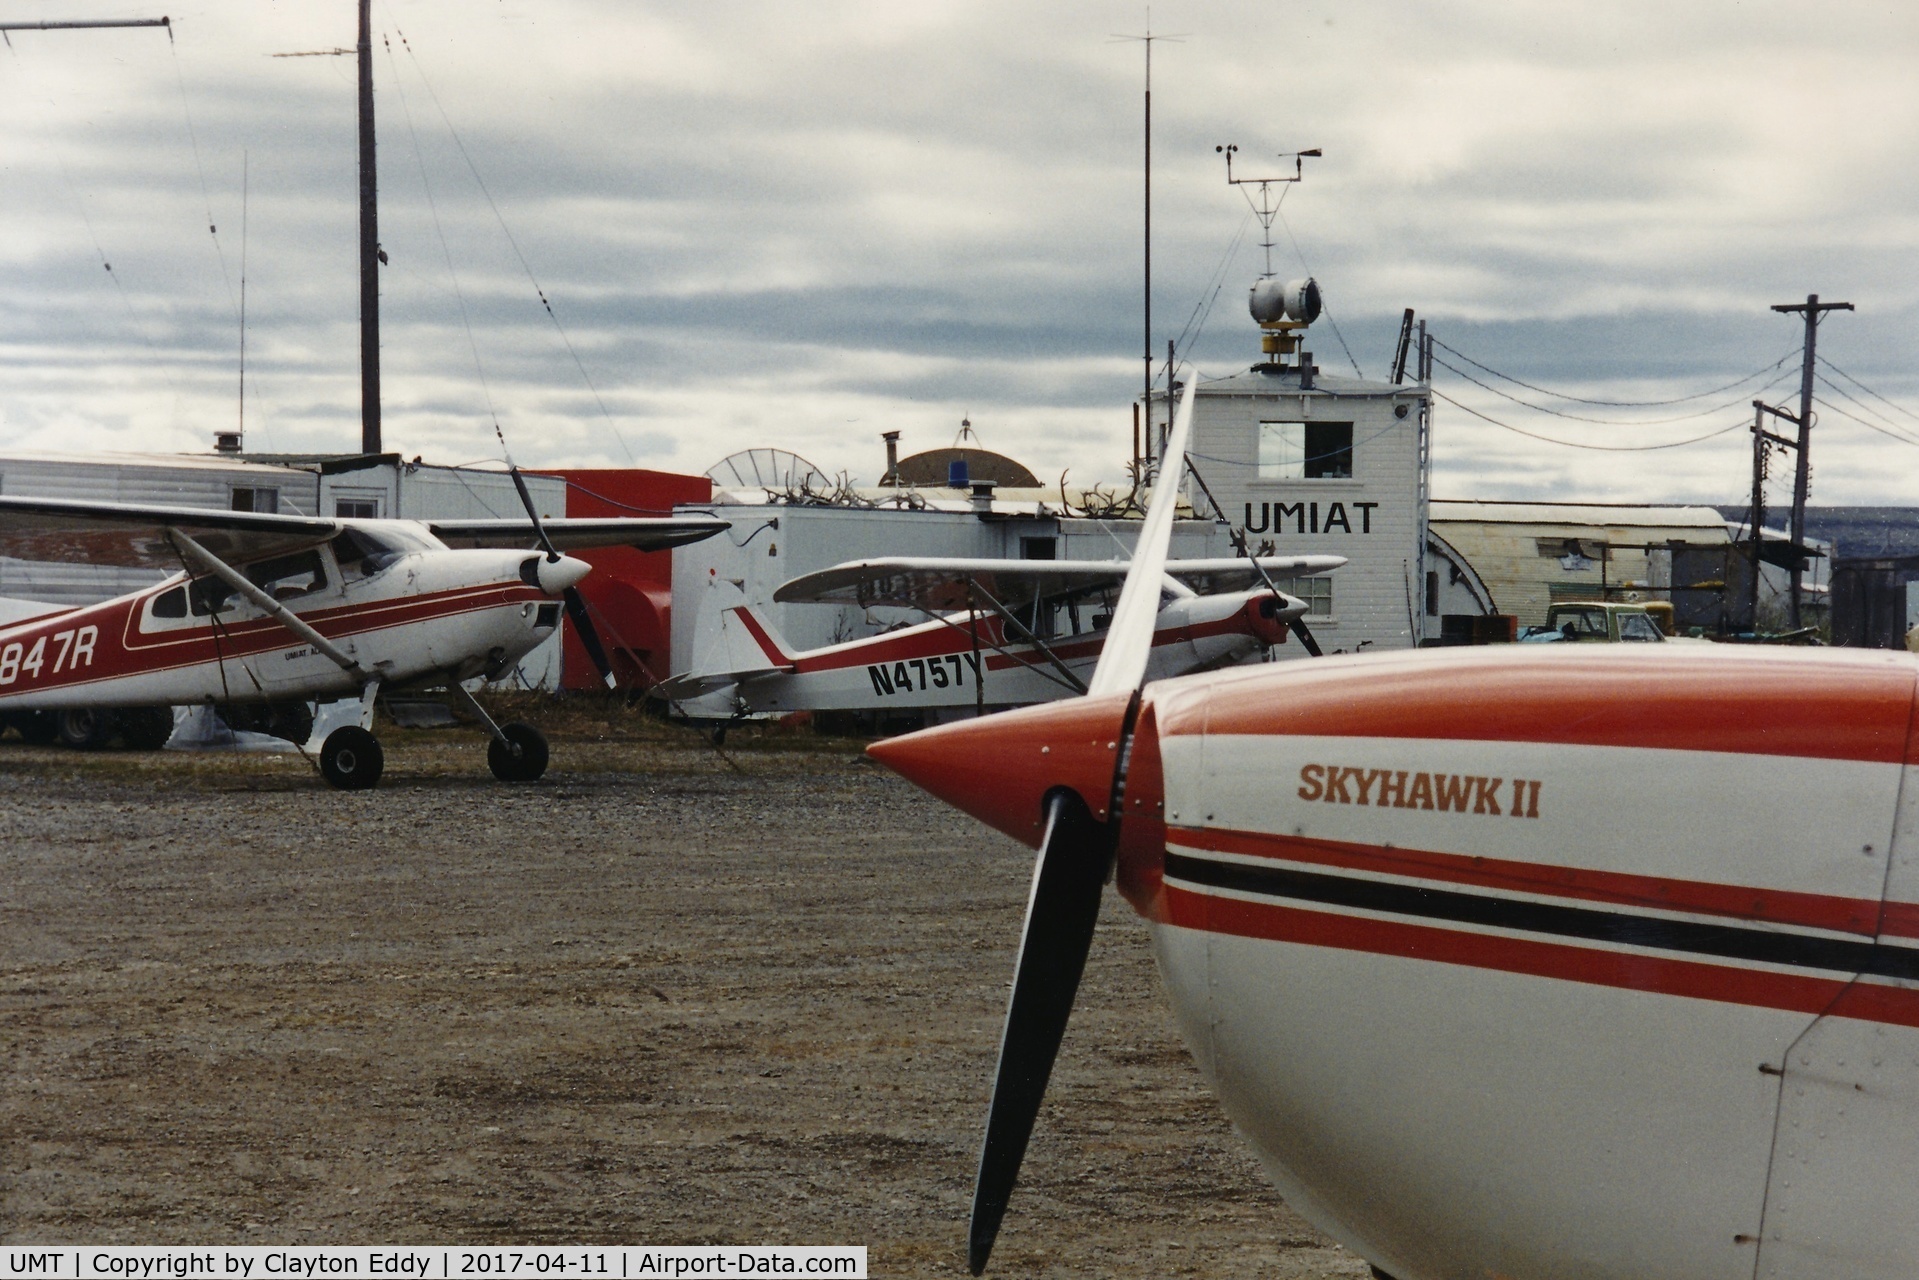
1531,554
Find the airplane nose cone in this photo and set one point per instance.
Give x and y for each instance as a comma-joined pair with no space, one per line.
999,768
557,575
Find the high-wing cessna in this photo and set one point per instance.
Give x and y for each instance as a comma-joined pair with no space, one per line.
287,609
1000,633
1511,962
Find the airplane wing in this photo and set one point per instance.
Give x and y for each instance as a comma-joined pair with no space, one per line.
648,534
1233,573
939,583
130,536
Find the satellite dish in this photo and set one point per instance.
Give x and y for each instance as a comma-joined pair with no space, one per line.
767,469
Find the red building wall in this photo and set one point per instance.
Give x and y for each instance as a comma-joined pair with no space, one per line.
629,593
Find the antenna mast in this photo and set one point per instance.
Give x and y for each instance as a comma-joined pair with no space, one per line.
369,248
1146,254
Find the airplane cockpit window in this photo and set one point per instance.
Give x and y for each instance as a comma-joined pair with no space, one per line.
288,577
361,554
171,604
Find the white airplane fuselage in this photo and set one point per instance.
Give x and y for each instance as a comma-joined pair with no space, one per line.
1528,961
418,614
937,664
1606,968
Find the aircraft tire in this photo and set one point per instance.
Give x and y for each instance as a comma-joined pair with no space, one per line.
84,728
351,759
524,765
146,728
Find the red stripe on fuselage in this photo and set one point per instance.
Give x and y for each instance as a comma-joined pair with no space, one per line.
124,650
956,638
1742,902
1833,705
1633,971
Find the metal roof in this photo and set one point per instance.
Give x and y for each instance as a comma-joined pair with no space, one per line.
1581,513
1256,382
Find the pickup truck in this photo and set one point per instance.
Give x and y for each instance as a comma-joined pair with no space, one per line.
1595,623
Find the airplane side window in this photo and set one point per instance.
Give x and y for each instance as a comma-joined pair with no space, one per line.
171,604
288,577
209,595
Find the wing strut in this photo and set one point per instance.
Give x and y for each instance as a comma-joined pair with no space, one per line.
226,573
1012,620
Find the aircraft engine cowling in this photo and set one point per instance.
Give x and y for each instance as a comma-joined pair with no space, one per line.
1266,618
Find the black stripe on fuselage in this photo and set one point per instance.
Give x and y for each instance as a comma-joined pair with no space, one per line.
1729,941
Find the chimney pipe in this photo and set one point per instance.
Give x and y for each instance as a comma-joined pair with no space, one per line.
226,442
892,439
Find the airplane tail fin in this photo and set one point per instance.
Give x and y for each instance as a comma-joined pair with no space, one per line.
731,642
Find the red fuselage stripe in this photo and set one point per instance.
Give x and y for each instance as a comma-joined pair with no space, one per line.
1808,910
1866,1001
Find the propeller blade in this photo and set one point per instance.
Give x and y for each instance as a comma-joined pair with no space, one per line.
1061,910
589,637
1298,627
526,500
1129,637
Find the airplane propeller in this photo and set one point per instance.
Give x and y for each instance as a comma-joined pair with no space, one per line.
1077,849
1305,636
575,603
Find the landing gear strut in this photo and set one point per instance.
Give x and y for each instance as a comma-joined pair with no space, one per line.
518,753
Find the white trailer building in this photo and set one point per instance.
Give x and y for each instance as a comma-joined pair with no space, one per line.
771,543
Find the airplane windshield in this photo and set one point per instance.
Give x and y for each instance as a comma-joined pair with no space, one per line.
361,553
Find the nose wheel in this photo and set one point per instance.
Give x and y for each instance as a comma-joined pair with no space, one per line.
518,753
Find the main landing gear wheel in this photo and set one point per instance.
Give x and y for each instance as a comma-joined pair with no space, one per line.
86,729
351,758
521,757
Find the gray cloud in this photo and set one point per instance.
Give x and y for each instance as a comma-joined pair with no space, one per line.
769,225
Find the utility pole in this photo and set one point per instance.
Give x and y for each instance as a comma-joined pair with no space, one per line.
1802,476
369,248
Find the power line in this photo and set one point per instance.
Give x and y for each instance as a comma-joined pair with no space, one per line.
1863,407
1617,404
1884,431
1609,422
1575,444
1868,390
526,266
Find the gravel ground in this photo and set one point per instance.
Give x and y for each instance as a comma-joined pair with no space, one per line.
660,997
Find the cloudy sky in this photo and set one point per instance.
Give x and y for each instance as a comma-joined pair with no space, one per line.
801,225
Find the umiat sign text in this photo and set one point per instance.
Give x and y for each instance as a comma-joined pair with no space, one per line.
1405,789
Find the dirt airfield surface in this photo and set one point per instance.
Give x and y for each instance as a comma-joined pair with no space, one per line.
659,997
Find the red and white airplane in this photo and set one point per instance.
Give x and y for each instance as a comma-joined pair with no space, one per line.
282,610
1510,962
1000,633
